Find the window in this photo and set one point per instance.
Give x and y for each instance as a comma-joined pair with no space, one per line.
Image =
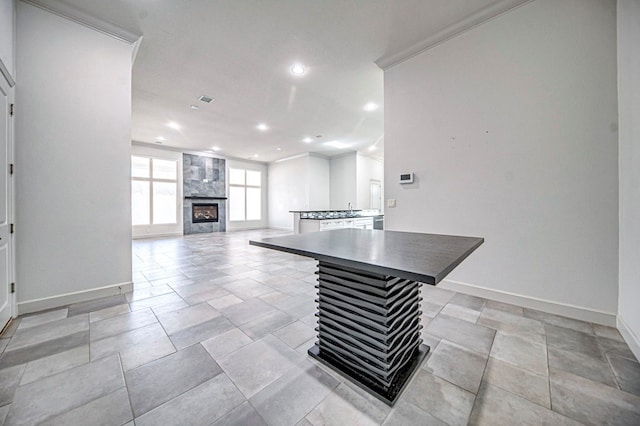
245,194
154,191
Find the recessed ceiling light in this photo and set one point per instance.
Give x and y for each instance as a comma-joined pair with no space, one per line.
278,149
371,106
206,99
160,138
372,148
174,125
336,144
297,69
194,107
307,140
215,148
255,155
262,127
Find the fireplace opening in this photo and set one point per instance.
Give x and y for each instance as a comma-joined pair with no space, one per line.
204,213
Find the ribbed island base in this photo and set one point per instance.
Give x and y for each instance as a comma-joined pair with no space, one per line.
369,328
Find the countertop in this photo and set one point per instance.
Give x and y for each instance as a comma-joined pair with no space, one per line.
427,258
333,214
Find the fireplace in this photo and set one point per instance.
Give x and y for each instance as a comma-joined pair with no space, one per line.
202,212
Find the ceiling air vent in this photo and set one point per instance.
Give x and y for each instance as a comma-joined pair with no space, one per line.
206,99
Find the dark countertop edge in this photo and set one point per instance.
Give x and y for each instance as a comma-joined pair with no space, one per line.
323,211
340,218
451,267
426,279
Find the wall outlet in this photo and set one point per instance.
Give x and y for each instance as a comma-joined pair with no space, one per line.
391,203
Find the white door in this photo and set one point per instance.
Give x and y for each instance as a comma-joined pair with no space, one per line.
375,194
6,202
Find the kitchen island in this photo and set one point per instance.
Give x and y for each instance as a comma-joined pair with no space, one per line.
369,298
327,220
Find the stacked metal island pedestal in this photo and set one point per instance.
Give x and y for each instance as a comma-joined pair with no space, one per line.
369,298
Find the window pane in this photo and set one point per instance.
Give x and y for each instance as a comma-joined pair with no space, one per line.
253,178
164,203
254,206
139,167
236,177
165,169
236,203
140,203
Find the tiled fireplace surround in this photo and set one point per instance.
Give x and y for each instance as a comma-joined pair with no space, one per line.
203,177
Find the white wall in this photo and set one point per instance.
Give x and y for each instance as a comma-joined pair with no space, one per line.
288,190
368,169
343,181
262,168
73,146
510,129
319,172
146,231
7,37
297,183
629,160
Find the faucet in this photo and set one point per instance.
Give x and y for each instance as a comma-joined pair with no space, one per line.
350,208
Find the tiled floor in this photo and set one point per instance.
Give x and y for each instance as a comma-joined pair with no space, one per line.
216,332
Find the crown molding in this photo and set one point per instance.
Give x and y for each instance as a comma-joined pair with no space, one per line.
483,15
65,11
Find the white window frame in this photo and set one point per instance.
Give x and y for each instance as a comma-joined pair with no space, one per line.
151,180
245,186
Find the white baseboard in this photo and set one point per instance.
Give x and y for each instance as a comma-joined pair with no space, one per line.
36,305
629,336
558,308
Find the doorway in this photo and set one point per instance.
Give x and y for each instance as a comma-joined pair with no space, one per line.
375,194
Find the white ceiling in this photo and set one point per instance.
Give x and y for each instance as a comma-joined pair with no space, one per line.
240,51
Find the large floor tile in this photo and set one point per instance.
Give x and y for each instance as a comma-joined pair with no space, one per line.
49,397
404,414
201,405
44,349
439,398
592,403
153,384
9,381
436,295
574,341
456,364
181,319
504,307
475,337
509,323
44,332
43,318
293,395
154,302
611,347
121,323
295,334
96,305
110,410
246,311
347,405
520,352
225,343
593,368
467,301
528,385
106,313
266,324
495,406
201,332
251,376
627,374
559,321
53,364
243,415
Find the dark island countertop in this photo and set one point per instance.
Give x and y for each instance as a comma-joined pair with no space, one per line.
426,258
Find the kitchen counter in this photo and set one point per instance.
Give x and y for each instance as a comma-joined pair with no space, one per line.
324,220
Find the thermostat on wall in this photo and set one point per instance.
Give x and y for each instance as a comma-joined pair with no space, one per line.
406,177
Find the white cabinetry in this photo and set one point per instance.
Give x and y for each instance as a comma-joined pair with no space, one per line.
314,225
